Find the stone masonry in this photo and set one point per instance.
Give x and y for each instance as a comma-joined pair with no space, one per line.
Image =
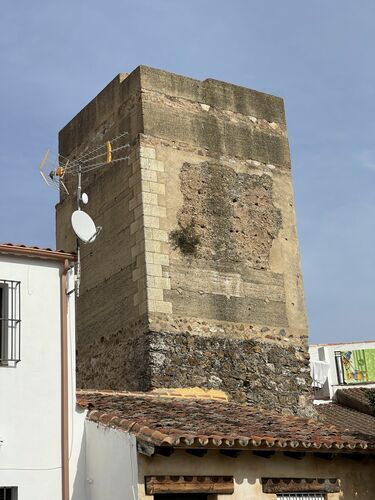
195,279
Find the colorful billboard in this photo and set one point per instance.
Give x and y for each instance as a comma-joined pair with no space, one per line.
358,366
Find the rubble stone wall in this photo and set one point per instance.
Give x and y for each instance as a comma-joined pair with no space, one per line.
249,371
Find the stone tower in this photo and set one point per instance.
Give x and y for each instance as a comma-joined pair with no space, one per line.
195,279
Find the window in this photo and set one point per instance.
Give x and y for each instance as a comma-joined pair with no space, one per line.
8,493
10,323
301,496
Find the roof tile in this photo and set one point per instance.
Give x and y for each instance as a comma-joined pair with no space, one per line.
197,423
350,420
358,398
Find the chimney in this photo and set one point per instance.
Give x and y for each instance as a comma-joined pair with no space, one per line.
195,279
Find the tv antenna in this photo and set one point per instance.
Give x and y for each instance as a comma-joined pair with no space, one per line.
55,171
83,226
55,177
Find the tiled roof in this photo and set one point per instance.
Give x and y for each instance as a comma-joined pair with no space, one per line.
357,423
188,423
36,252
358,398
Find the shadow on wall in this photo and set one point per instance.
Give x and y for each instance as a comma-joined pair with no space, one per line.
78,471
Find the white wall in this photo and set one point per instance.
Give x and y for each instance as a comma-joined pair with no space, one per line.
111,461
30,393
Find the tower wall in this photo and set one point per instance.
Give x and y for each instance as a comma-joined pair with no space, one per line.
195,279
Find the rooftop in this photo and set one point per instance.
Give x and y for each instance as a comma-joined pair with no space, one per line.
344,343
357,398
21,250
352,409
192,423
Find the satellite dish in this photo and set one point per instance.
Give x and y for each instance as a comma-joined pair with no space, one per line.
84,226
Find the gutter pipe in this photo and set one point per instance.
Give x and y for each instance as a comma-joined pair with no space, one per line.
64,383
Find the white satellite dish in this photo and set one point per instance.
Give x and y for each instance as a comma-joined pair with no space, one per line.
84,226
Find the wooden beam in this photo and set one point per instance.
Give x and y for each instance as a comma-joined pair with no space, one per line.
220,485
296,485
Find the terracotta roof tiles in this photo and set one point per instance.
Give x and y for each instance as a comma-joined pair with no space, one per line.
358,398
350,420
193,423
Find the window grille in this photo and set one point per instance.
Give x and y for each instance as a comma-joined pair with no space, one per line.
301,496
7,493
10,323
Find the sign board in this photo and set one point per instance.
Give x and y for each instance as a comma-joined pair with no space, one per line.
358,366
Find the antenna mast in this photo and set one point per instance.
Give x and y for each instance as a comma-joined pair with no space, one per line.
107,153
77,281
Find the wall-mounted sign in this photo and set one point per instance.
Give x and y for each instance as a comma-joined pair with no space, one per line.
358,366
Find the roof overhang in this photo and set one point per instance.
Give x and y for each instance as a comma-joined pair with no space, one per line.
36,252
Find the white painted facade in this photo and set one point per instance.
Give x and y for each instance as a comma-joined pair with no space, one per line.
326,353
111,464
102,462
30,391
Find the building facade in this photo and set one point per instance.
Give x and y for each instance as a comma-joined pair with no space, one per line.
191,446
34,309
340,366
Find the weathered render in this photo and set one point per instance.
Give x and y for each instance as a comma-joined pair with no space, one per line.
195,279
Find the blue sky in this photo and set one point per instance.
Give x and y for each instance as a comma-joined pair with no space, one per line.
318,55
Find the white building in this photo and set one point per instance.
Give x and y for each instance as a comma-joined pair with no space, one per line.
40,430
48,450
340,366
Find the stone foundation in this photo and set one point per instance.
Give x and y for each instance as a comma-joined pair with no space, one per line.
116,361
248,371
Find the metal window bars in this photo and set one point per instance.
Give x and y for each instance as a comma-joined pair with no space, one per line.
10,323
301,496
8,493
